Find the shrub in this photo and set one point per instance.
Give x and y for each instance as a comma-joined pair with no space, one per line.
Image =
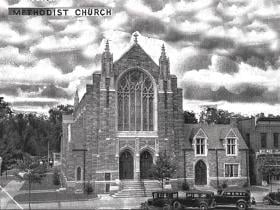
224,185
88,188
56,178
246,184
185,186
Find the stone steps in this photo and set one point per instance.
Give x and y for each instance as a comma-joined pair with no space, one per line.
137,188
151,186
131,188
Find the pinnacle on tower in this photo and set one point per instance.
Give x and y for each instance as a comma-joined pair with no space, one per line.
163,54
76,99
107,48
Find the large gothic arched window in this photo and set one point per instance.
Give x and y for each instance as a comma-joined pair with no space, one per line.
135,102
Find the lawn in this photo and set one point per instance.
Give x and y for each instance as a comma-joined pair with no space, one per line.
4,180
258,189
46,184
51,197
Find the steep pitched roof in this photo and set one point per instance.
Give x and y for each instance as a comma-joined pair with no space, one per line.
131,51
216,135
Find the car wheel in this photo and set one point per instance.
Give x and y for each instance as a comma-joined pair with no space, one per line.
266,201
177,205
167,207
203,206
241,206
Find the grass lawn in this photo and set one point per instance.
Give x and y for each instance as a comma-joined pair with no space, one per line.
258,189
5,180
46,184
51,197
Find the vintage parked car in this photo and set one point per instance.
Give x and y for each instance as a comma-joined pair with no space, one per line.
241,198
178,200
161,200
194,199
272,198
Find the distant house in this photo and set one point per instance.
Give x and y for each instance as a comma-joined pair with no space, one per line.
262,137
215,154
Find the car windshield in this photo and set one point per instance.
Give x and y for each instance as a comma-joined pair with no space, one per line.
164,195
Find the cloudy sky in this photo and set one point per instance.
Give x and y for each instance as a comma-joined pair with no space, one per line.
223,52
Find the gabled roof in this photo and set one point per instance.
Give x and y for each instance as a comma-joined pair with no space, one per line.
216,135
135,47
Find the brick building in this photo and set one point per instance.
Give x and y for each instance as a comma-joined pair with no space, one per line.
215,154
130,112
262,137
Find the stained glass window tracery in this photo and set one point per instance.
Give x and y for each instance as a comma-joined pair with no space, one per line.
135,102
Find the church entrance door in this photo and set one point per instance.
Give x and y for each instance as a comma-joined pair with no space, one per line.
200,173
146,161
126,165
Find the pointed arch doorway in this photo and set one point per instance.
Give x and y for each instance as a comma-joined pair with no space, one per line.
126,165
146,161
200,173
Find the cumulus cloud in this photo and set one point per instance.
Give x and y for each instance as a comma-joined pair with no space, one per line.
11,55
220,50
10,36
38,25
44,72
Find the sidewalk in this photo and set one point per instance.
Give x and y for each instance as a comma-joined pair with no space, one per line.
36,191
8,192
259,192
102,203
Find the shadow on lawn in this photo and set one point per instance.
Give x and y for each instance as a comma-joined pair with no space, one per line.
52,197
46,184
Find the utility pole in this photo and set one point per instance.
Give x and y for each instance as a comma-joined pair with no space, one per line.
185,181
1,166
0,177
48,153
29,187
217,167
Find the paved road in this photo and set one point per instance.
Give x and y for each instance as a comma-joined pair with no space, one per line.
112,204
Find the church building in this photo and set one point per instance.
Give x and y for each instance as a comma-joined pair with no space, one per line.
130,113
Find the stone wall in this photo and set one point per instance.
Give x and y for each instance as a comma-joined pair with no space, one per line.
211,162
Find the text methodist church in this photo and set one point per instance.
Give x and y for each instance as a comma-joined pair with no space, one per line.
130,113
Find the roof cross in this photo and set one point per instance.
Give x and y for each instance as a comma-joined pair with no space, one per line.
135,37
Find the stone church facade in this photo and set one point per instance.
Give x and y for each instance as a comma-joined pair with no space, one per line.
215,154
130,113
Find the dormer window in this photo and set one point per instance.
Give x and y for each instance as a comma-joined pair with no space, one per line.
231,146
231,143
200,143
200,146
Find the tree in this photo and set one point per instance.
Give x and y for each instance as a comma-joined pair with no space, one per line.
5,109
29,133
189,117
164,167
211,114
55,118
268,166
34,172
56,177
